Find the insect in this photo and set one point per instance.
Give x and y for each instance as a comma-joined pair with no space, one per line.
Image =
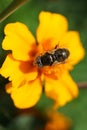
55,56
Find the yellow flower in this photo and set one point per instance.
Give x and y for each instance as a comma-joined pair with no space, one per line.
57,121
25,76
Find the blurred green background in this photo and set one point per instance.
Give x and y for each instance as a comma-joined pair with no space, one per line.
76,13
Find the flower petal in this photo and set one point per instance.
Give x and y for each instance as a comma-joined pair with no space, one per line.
62,90
52,26
18,39
18,72
27,95
72,42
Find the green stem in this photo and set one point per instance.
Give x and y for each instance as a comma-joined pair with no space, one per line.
82,85
15,4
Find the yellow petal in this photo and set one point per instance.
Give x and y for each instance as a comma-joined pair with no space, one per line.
18,72
62,90
72,42
27,95
52,26
18,39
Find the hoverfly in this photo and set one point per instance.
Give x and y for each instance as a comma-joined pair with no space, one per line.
55,56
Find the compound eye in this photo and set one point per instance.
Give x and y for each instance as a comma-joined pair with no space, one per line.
66,53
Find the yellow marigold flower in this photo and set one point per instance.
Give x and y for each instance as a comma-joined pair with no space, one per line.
25,76
57,121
